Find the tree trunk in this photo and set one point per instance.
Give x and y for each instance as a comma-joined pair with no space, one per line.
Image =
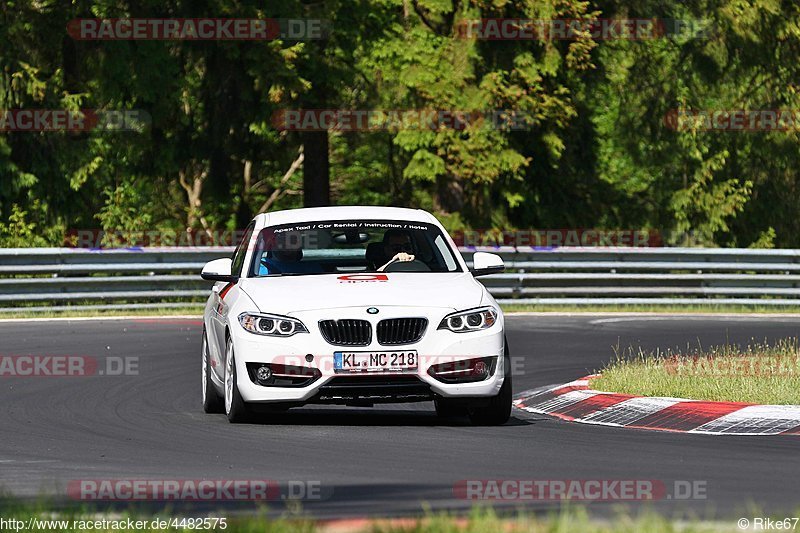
316,169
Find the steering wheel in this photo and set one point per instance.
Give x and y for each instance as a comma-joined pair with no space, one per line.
407,266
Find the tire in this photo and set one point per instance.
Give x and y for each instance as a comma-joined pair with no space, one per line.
235,407
212,403
449,409
498,410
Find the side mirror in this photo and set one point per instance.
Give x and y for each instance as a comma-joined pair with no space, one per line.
484,263
219,270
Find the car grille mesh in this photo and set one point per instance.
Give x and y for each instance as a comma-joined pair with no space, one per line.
395,331
346,332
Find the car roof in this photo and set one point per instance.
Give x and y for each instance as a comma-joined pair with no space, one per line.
344,212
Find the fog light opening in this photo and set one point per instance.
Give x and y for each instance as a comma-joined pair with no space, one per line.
264,374
465,370
280,375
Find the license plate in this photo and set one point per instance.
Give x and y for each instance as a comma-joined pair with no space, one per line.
374,361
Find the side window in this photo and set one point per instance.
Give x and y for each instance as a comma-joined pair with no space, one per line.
241,251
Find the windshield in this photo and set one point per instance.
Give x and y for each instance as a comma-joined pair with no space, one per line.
351,246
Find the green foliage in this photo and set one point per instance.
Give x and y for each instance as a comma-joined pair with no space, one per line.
21,232
592,146
765,240
123,210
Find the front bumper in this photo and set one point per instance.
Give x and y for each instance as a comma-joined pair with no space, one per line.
436,346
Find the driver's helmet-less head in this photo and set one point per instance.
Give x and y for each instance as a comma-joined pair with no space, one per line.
396,241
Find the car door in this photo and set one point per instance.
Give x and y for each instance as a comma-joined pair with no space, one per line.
219,313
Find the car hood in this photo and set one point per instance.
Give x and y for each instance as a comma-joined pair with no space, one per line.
289,294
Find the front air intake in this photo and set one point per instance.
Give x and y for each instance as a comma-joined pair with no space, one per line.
346,332
395,331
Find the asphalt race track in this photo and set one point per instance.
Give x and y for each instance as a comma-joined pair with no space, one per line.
384,460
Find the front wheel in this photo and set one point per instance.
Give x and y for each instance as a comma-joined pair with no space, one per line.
235,407
212,403
449,409
498,410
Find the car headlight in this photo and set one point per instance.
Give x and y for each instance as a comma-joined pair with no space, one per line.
272,325
470,320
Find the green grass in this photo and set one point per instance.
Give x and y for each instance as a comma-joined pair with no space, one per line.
757,373
480,520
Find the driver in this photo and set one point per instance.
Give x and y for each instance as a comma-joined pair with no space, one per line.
397,244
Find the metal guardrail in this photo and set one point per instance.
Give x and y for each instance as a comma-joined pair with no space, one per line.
137,278
169,277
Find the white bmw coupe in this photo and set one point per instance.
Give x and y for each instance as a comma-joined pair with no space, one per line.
353,306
